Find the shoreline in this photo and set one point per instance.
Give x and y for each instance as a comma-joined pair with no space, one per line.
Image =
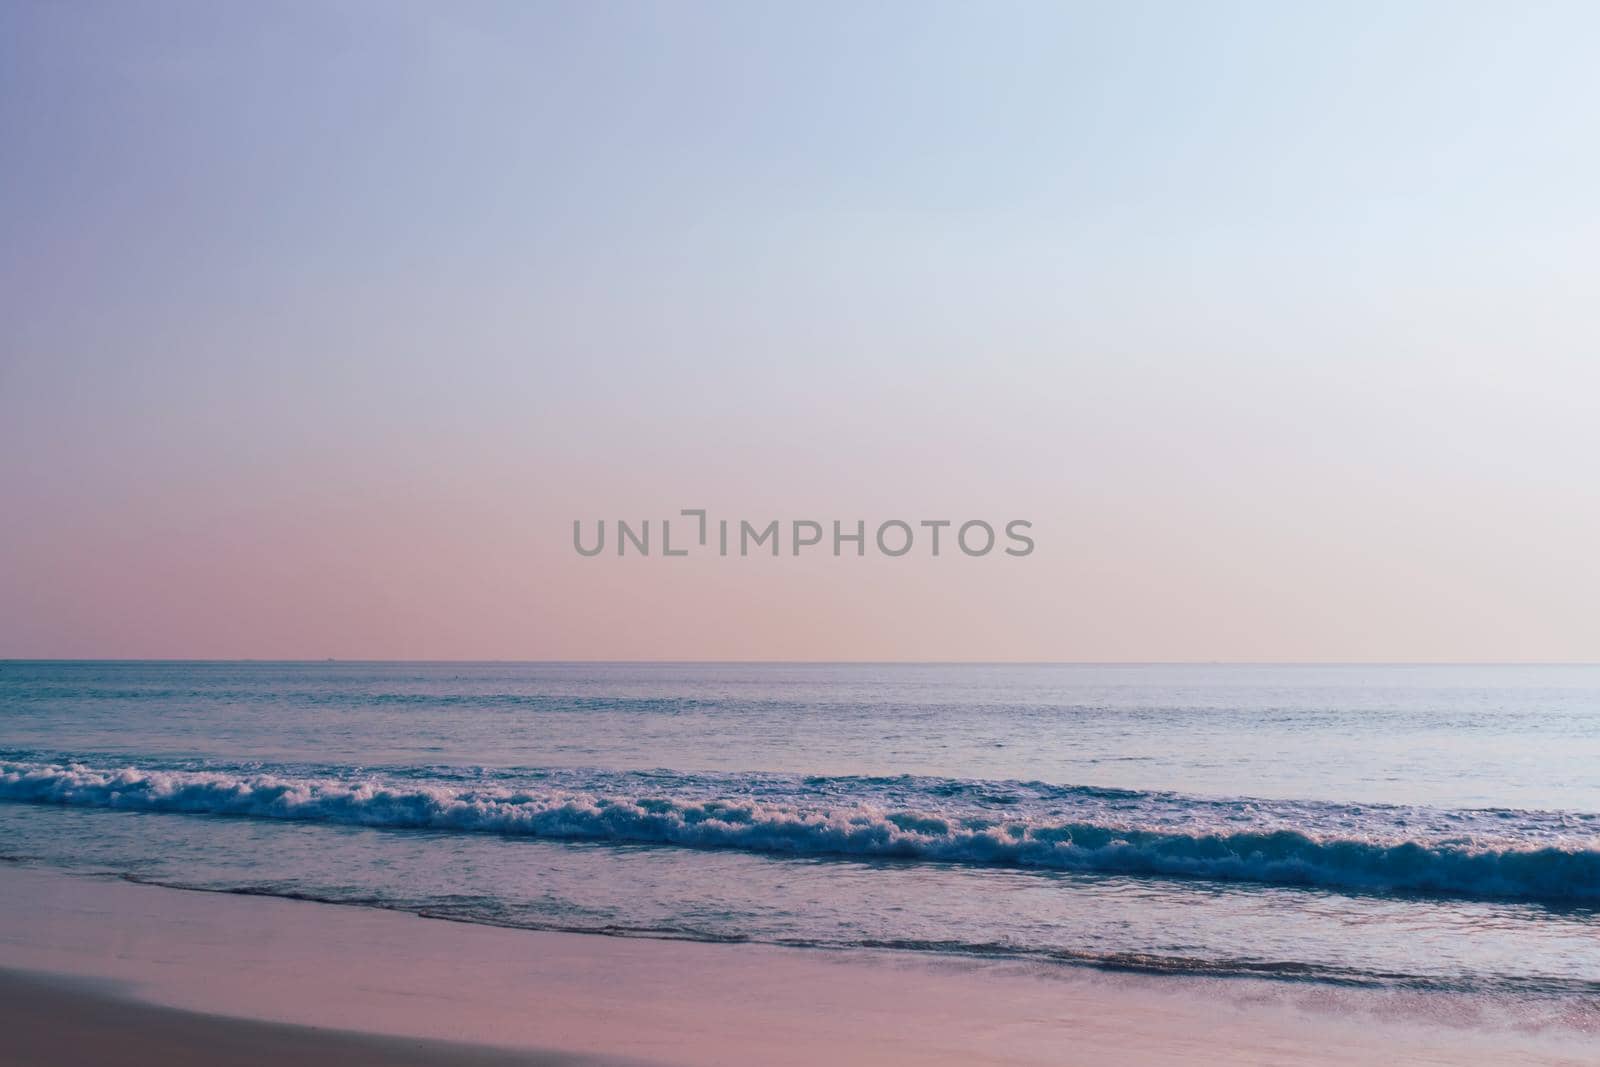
156,970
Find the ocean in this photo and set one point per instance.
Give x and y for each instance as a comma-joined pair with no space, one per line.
1429,828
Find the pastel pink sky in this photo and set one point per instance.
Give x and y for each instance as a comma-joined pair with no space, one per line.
318,328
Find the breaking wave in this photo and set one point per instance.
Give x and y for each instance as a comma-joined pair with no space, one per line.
817,818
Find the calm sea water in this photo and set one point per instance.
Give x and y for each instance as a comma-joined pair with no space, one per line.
1435,828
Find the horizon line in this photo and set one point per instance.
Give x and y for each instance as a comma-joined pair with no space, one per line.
812,662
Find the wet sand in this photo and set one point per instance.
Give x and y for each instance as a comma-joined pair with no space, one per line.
101,970
50,1021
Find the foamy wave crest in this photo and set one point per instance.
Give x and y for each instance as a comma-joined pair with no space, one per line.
1267,854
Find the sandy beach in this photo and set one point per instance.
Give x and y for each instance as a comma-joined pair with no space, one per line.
103,1024
101,968
799,535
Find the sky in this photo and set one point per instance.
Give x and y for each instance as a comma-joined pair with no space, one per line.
320,324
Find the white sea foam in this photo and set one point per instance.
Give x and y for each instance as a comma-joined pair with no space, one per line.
1241,847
